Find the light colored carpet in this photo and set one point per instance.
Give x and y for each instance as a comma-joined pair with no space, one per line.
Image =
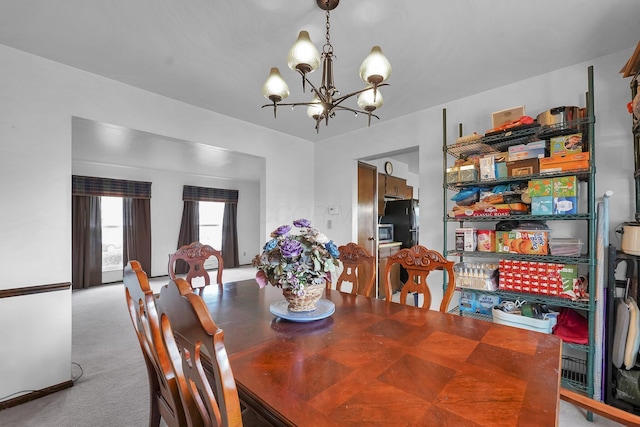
113,390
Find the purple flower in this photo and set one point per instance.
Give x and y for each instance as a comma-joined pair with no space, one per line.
302,223
281,231
291,248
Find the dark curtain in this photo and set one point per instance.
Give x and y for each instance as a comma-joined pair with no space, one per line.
230,236
136,231
86,241
189,231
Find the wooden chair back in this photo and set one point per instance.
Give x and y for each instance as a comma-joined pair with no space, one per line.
195,254
165,400
358,267
199,358
419,261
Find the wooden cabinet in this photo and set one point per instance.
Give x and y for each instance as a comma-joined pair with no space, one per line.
392,187
408,192
384,252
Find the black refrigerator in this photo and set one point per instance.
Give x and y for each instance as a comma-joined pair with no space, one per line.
404,215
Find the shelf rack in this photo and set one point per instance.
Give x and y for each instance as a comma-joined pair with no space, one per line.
577,374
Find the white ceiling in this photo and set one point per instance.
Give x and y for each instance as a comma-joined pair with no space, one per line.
216,54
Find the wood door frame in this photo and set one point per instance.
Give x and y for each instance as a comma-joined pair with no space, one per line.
368,198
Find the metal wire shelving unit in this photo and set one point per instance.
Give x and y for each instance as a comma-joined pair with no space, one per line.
577,372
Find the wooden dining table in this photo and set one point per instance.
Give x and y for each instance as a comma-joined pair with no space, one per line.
375,363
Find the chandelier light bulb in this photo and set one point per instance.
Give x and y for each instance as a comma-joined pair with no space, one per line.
375,68
275,88
370,99
303,56
316,109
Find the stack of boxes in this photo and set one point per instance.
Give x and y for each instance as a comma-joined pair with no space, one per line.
560,280
566,154
554,196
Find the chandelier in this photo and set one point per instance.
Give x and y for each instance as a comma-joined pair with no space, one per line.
305,58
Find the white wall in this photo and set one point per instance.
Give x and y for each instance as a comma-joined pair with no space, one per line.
39,99
169,165
614,148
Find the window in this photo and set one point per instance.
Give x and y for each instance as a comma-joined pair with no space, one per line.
211,216
111,233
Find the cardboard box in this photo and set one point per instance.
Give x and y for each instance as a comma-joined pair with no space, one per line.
532,150
533,242
487,168
565,186
565,205
501,170
566,144
540,187
486,241
569,162
542,205
467,173
502,117
466,239
472,302
523,167
494,210
452,175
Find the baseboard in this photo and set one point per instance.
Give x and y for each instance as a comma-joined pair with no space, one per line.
36,394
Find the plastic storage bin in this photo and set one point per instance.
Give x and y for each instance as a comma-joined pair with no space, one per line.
565,247
518,321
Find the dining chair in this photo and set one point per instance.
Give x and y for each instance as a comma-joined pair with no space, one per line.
164,396
358,267
419,262
195,254
198,357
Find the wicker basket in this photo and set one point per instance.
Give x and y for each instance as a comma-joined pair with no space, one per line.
306,302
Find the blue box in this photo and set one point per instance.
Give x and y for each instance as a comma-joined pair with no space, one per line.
501,170
542,205
472,302
565,205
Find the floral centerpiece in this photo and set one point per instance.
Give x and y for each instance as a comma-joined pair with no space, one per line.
297,260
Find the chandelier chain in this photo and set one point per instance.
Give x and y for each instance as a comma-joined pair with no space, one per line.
328,47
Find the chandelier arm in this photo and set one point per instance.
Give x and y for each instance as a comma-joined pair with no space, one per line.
353,110
337,101
291,104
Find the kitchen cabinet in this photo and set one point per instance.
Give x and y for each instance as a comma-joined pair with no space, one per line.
392,187
386,250
577,372
395,187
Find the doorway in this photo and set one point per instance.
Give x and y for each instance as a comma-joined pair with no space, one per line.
367,209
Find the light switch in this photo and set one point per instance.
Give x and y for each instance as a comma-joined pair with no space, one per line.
329,223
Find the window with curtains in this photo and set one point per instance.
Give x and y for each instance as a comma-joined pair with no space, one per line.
192,225
112,218
210,228
88,233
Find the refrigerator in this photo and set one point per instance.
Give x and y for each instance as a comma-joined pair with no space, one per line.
404,215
